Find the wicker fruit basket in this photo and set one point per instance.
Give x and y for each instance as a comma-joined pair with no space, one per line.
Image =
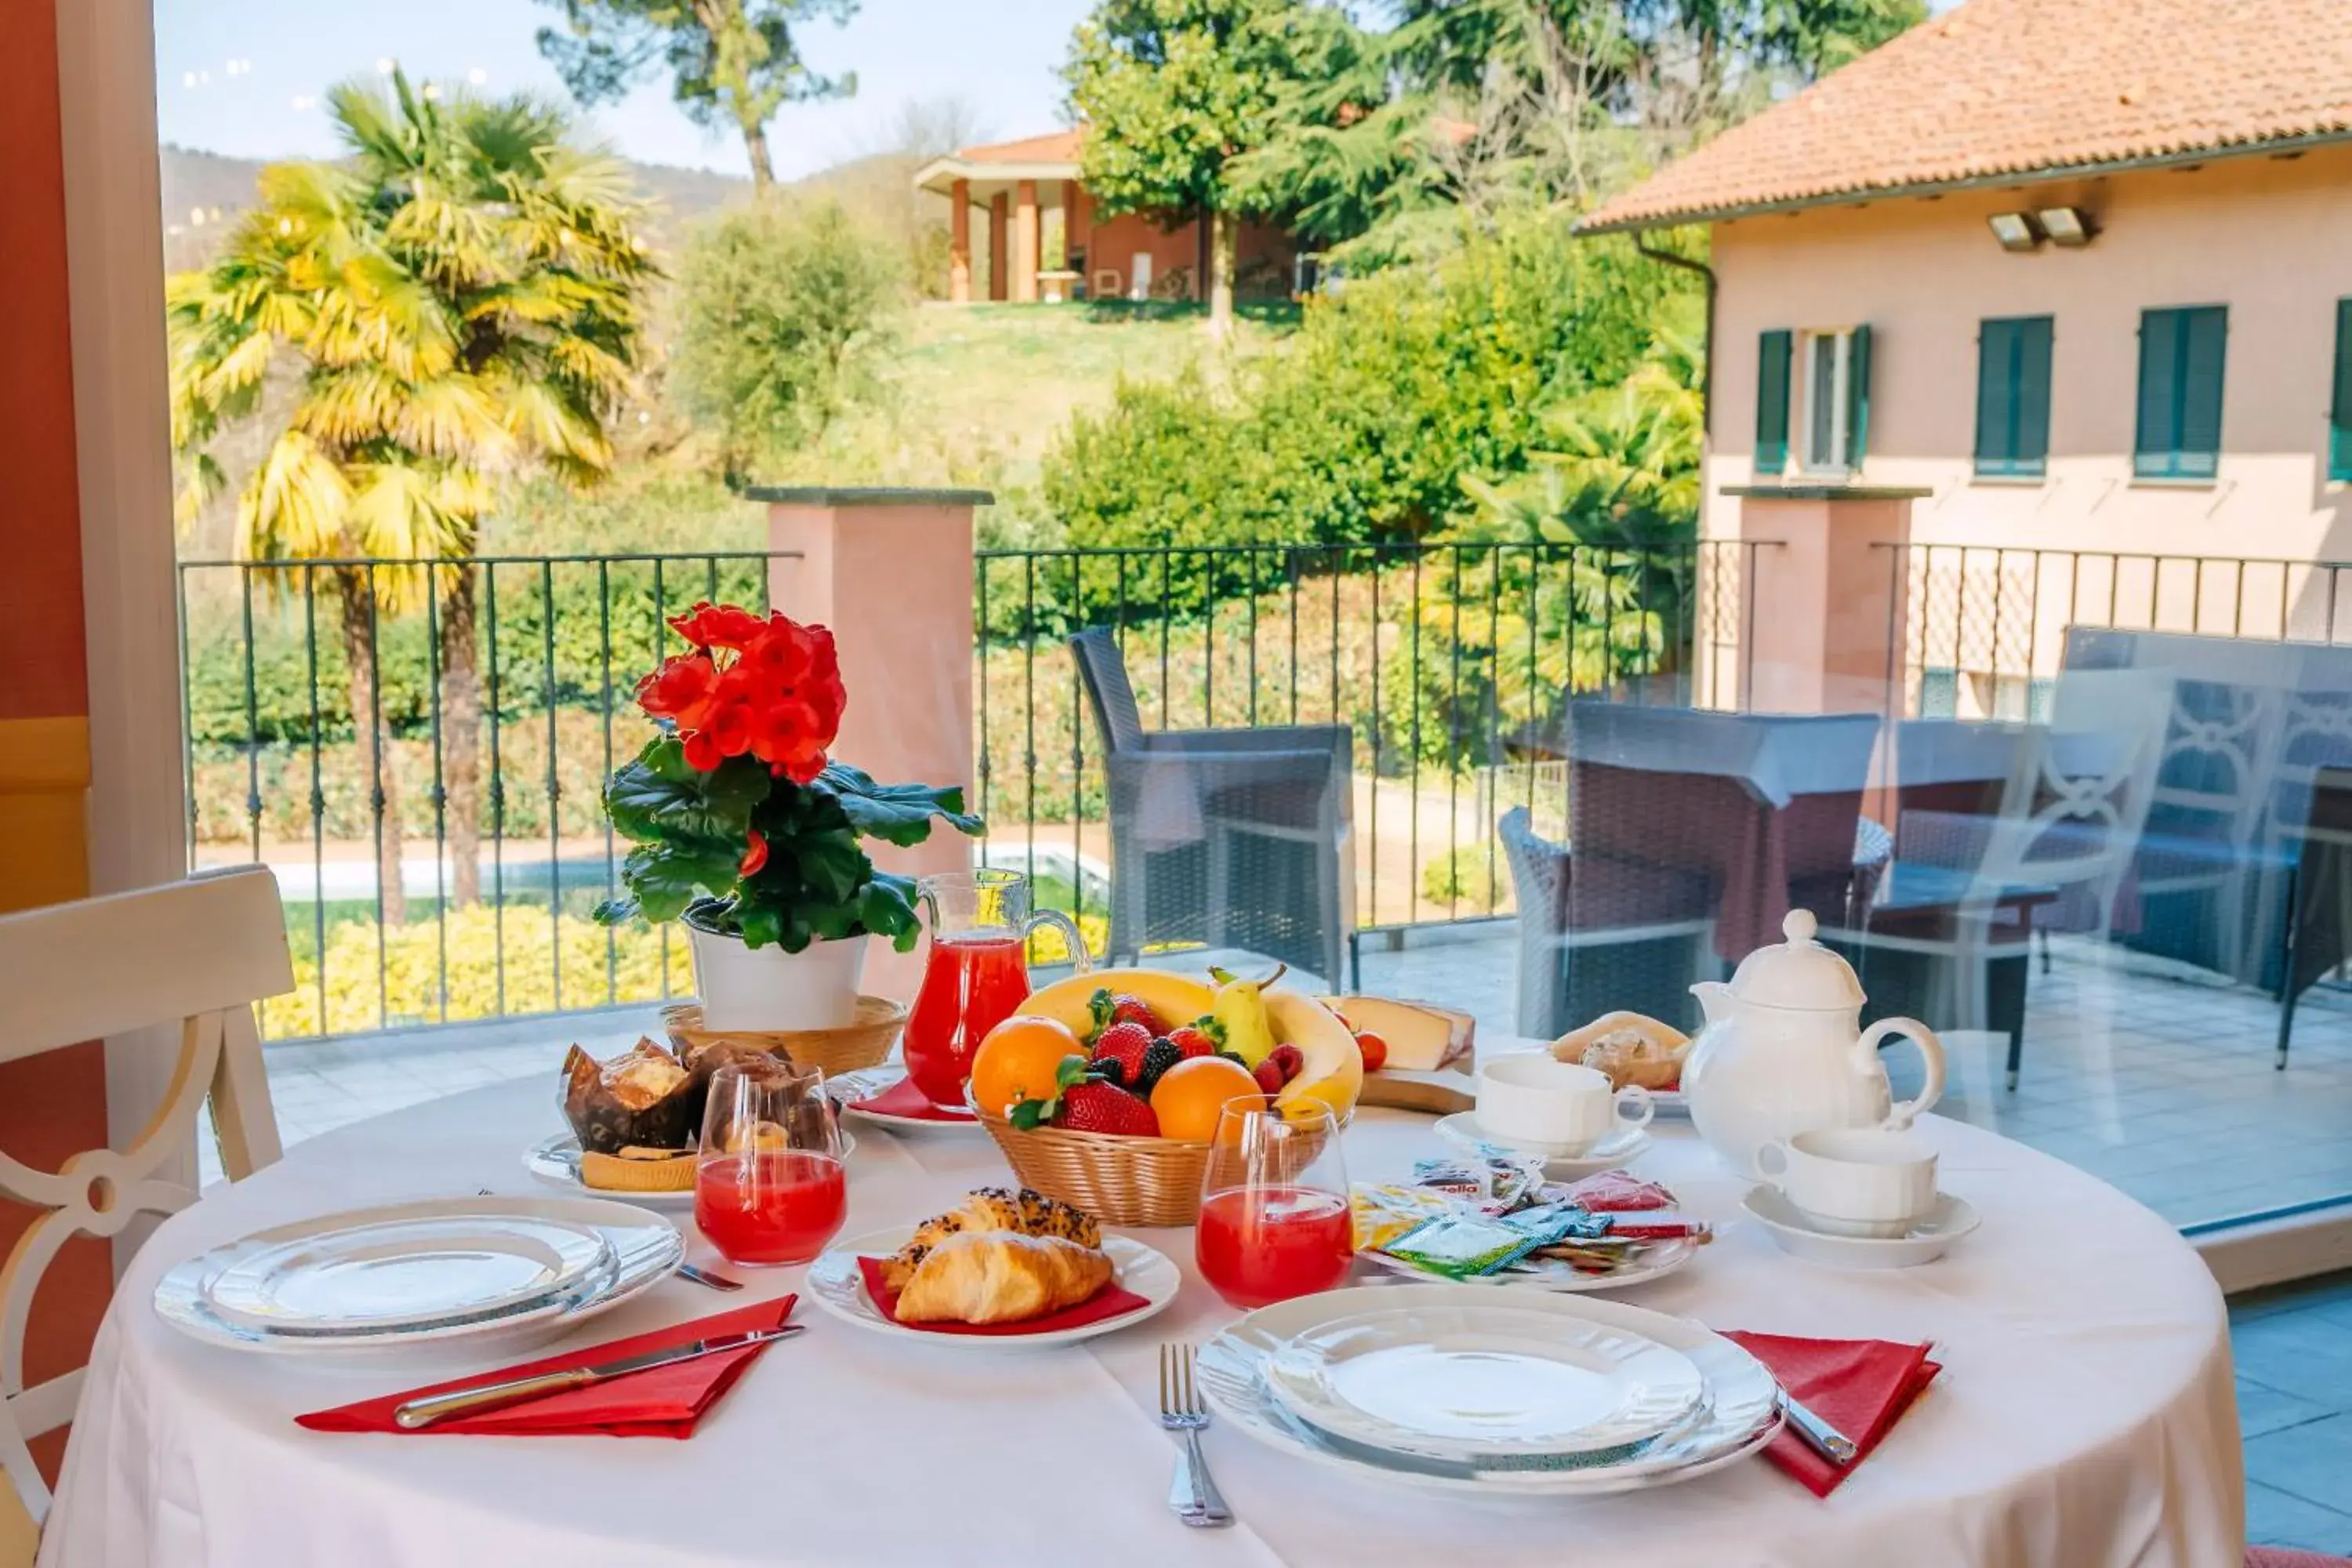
861,1043
1121,1181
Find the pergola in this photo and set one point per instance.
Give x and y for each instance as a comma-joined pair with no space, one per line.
1016,181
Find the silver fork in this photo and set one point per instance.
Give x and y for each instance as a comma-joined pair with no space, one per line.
1192,1495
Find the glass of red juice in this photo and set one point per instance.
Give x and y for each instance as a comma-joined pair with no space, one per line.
769,1183
1274,1205
977,974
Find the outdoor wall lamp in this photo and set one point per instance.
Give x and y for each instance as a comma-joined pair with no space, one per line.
2069,227
2016,231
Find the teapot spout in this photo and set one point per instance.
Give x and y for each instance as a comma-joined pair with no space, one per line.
1714,1000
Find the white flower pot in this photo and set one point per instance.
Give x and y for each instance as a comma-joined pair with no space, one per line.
767,990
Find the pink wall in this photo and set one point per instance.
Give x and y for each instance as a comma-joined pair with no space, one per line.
2271,238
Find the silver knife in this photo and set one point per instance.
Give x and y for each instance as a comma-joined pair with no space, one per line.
420,1412
1817,1434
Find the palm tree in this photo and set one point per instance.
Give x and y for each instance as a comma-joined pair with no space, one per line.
464,293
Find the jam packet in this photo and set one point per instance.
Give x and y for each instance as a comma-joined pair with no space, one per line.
1385,1212
1462,1246
1558,1222
1615,1191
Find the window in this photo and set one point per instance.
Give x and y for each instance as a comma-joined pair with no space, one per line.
2339,411
2181,355
1836,379
1772,402
2013,397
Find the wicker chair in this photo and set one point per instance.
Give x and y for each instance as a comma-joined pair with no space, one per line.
1232,837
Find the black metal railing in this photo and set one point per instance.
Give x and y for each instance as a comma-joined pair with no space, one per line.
1451,662
418,748
1980,630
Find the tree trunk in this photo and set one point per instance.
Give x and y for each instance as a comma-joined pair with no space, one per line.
358,628
1224,239
755,147
461,739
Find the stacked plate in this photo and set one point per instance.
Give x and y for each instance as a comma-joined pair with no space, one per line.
458,1276
1454,1389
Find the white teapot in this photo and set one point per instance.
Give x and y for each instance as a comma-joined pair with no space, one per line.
1784,1052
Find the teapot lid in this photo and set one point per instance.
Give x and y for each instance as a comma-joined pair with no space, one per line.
1800,973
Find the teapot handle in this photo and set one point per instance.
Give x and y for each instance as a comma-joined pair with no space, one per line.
1931,1051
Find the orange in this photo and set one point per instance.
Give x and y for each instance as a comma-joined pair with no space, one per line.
1192,1093
1017,1061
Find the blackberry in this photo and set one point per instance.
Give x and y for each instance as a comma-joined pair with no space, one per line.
1161,1055
1108,1070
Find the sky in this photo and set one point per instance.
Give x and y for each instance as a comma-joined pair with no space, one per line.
245,77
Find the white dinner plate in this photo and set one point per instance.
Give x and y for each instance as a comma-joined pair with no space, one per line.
874,1080
406,1274
646,1250
1619,1149
1945,1224
555,1161
840,1289
1480,1379
1739,1416
1557,1276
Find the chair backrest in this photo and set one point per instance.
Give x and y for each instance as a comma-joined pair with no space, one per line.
1104,669
196,955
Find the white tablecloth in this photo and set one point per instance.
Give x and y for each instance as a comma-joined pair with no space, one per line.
2086,1419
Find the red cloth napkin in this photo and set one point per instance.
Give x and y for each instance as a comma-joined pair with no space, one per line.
1862,1387
1110,1301
903,1098
660,1401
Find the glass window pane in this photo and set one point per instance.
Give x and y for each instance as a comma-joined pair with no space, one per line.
1822,402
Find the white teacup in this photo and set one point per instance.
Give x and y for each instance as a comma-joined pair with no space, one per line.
1855,1181
1529,1099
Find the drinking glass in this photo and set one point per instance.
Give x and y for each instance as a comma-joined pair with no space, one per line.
769,1186
1274,1205
977,974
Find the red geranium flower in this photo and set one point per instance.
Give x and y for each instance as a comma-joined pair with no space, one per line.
708,626
730,728
677,686
702,753
755,858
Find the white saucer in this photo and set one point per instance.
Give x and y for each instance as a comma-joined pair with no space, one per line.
872,1082
555,1161
839,1287
1619,1149
1947,1223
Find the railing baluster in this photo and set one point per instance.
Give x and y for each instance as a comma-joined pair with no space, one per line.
377,747
318,790
498,790
604,714
440,799
555,783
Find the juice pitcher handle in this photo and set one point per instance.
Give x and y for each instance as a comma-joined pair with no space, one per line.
1931,1051
1071,937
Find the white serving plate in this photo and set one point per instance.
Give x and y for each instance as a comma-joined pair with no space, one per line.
406,1274
646,1250
1619,1149
1934,1236
1739,1416
555,1162
1481,1379
872,1082
836,1282
1558,1277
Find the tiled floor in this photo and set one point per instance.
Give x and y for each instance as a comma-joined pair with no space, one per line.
2293,1350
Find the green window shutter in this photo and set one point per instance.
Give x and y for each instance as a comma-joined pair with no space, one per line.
2013,397
2181,358
1772,356
1857,399
2339,415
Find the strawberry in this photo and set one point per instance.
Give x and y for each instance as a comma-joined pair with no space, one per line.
1118,1052
1269,1075
1374,1048
1110,1009
1097,1107
1192,1041
1287,1060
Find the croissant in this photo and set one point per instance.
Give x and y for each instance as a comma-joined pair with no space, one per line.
993,1209
1000,1277
1630,1047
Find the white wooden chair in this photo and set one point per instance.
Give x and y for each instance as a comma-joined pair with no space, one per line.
196,955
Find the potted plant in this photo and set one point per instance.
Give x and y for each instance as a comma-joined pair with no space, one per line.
742,826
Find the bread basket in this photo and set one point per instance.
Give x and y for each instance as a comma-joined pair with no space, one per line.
861,1043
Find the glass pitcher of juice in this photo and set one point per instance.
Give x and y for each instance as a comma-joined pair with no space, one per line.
978,972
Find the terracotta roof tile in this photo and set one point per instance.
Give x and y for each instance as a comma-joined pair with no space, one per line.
1054,147
2018,87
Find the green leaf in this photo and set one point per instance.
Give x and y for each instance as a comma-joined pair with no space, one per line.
831,863
666,877
896,814
656,796
886,906
762,925
616,912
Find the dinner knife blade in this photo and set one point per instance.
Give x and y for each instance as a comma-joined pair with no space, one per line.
416,1413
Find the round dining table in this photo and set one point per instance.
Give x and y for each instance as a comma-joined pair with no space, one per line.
2085,1417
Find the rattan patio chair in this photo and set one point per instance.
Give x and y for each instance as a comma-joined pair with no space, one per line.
1240,837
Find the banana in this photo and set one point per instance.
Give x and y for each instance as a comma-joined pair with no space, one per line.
1176,998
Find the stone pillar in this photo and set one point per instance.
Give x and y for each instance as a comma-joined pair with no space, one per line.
960,244
1025,241
1000,218
1827,612
1073,222
890,572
